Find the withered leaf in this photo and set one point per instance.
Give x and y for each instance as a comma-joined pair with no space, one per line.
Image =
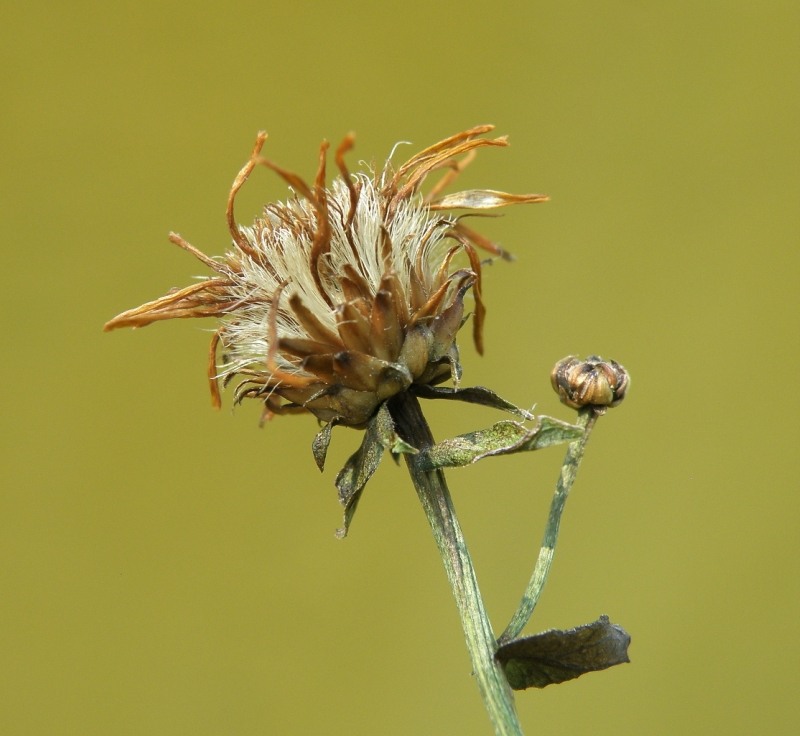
473,395
502,438
557,656
320,445
379,435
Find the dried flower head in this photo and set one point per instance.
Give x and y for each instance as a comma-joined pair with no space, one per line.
344,295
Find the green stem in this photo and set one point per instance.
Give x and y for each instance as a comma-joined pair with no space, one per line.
569,469
432,490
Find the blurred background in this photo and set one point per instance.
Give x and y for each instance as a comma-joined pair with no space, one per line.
169,569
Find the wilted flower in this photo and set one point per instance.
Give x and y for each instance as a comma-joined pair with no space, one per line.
342,296
344,302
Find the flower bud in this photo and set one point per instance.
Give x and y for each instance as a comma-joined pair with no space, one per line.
592,382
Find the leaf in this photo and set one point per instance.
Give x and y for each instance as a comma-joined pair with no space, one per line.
473,395
400,447
557,656
360,466
502,438
320,445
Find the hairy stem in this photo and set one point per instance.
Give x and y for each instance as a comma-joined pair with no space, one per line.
432,490
569,470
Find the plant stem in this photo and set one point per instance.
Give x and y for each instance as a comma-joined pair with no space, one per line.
432,490
569,469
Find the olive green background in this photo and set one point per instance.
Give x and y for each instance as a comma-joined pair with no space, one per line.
168,569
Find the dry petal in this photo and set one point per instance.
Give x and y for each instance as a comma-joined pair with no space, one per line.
483,199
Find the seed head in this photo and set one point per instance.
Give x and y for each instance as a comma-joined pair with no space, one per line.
344,295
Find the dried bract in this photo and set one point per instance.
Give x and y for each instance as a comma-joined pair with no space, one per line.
345,294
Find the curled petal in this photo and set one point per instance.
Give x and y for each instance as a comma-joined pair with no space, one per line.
238,183
206,299
437,161
484,199
446,145
466,234
213,380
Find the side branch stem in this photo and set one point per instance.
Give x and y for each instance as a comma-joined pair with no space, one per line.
569,470
434,495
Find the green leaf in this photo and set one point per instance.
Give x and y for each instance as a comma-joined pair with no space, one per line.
473,395
555,432
502,438
400,447
379,435
557,656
